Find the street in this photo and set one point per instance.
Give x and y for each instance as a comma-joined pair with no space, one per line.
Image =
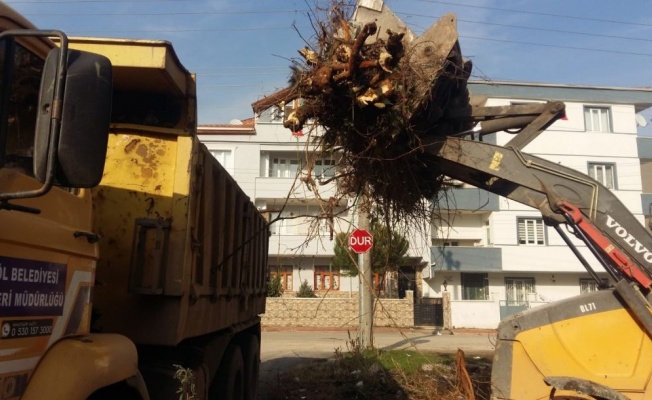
284,349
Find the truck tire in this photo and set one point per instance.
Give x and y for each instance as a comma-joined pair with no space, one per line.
118,390
229,382
251,355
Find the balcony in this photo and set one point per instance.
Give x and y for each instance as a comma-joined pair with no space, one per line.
467,259
471,199
291,188
288,245
644,145
646,203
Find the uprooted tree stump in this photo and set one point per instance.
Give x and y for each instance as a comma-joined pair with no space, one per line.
378,95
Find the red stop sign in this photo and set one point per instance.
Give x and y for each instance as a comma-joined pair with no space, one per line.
361,241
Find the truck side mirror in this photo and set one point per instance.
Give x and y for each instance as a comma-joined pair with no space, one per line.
83,117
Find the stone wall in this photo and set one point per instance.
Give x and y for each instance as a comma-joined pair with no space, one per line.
330,294
336,311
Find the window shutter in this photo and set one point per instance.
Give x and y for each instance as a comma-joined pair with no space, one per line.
531,231
539,226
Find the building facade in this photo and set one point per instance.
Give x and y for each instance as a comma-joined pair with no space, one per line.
496,256
271,165
491,256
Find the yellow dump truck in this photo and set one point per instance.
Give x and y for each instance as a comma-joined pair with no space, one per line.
127,253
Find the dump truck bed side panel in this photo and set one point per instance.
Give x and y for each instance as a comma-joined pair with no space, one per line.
183,250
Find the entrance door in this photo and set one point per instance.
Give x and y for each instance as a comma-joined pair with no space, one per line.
429,312
406,281
517,289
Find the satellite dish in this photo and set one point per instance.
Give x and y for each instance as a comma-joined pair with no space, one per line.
238,122
641,121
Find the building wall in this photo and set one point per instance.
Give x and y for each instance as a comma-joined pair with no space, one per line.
474,314
245,156
553,267
462,227
336,312
299,240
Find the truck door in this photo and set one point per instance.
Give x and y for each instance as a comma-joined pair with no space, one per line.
47,250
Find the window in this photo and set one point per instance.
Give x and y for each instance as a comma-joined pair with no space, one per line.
378,283
603,173
588,285
280,112
284,167
531,232
277,114
325,279
324,169
323,225
285,272
21,94
445,243
280,226
517,289
597,119
475,286
488,239
225,158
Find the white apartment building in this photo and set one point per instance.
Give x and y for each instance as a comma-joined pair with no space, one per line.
268,162
493,256
497,256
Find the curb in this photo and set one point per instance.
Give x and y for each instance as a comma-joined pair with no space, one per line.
381,329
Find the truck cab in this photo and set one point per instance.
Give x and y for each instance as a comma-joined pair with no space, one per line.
127,252
54,113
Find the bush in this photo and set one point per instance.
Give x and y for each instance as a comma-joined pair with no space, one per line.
274,286
305,290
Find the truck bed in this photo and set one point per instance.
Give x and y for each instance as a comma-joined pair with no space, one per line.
183,251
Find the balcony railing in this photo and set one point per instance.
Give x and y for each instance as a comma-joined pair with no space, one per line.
280,188
646,203
644,145
284,244
467,259
473,199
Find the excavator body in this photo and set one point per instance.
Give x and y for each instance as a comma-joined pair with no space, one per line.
588,345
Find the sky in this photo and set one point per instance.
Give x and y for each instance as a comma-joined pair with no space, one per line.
241,50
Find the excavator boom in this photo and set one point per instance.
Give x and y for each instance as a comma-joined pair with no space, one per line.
544,185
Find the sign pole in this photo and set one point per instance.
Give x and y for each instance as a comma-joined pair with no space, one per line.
360,295
365,291
361,241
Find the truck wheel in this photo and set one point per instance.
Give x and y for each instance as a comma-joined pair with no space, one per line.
229,382
118,390
252,366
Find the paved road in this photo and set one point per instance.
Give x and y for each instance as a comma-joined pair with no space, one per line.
282,350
